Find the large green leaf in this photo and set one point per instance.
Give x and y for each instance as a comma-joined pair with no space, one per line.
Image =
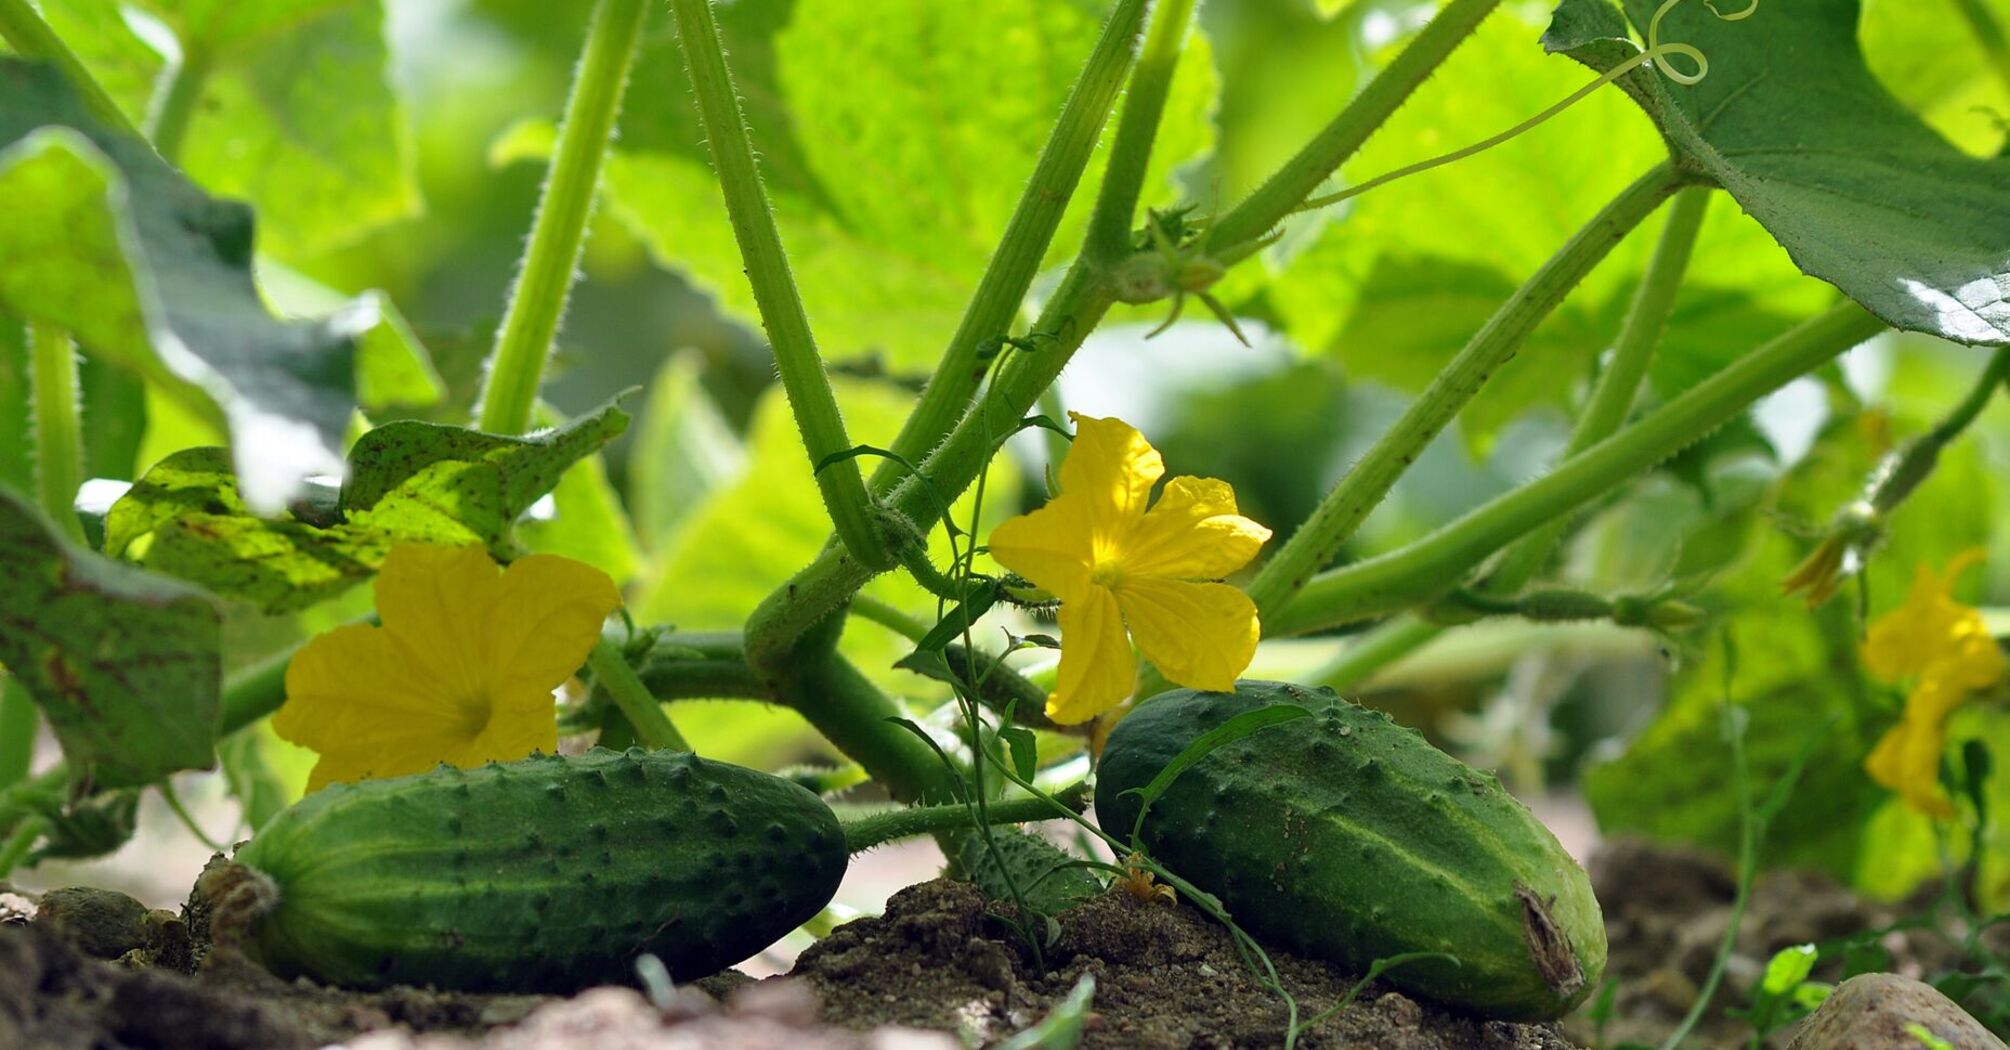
297,113
99,236
1860,191
125,665
897,137
409,482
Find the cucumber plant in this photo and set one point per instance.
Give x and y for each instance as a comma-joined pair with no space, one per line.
848,214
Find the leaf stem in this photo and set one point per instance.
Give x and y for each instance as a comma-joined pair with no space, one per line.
59,438
644,711
1286,190
1002,290
1363,488
873,610
168,124
537,303
1109,237
1437,562
767,265
30,37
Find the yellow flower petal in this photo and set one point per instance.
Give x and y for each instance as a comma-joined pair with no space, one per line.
1097,669
1906,640
1201,635
1193,533
1113,468
1050,546
462,670
543,621
1907,759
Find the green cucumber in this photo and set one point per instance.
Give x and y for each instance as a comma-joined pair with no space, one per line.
1049,879
549,874
1346,837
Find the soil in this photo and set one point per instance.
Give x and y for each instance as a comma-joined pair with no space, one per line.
934,963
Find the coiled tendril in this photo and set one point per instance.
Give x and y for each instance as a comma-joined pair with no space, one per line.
1658,52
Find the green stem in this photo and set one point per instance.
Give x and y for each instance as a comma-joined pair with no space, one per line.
860,721
1436,563
644,711
30,37
177,104
703,667
1002,290
59,437
1109,238
875,611
523,342
18,724
880,828
1374,649
1613,396
1363,488
767,266
1284,191
17,845
1989,33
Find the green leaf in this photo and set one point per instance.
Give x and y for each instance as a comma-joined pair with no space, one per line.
683,449
100,237
1859,190
297,113
587,522
896,137
410,482
124,664
393,368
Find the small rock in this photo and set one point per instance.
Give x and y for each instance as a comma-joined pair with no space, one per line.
103,923
1873,1012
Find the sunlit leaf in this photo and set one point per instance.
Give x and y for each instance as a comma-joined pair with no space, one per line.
1859,190
99,237
124,664
682,450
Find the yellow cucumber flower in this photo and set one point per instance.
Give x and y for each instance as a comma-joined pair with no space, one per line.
462,670
1943,646
1114,563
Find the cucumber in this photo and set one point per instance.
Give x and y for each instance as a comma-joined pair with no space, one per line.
1049,878
548,874
1348,838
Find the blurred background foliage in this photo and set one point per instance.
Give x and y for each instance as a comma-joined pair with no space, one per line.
396,145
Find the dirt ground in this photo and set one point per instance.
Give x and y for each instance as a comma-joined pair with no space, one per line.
933,963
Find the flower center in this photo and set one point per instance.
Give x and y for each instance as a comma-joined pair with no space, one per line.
1107,572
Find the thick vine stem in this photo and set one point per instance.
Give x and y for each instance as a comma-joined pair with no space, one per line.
1436,563
168,124
767,265
877,829
30,37
1286,190
641,706
1029,233
59,436
1362,489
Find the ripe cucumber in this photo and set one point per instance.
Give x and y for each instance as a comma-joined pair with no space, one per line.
1346,837
548,874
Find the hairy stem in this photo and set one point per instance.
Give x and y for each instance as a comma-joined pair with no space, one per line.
59,436
1284,191
1613,396
861,721
1109,237
767,265
1434,564
1027,237
643,710
537,304
1362,489
702,667
880,828
30,37
168,124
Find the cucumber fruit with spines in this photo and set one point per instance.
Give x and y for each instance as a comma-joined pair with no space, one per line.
1347,837
547,874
